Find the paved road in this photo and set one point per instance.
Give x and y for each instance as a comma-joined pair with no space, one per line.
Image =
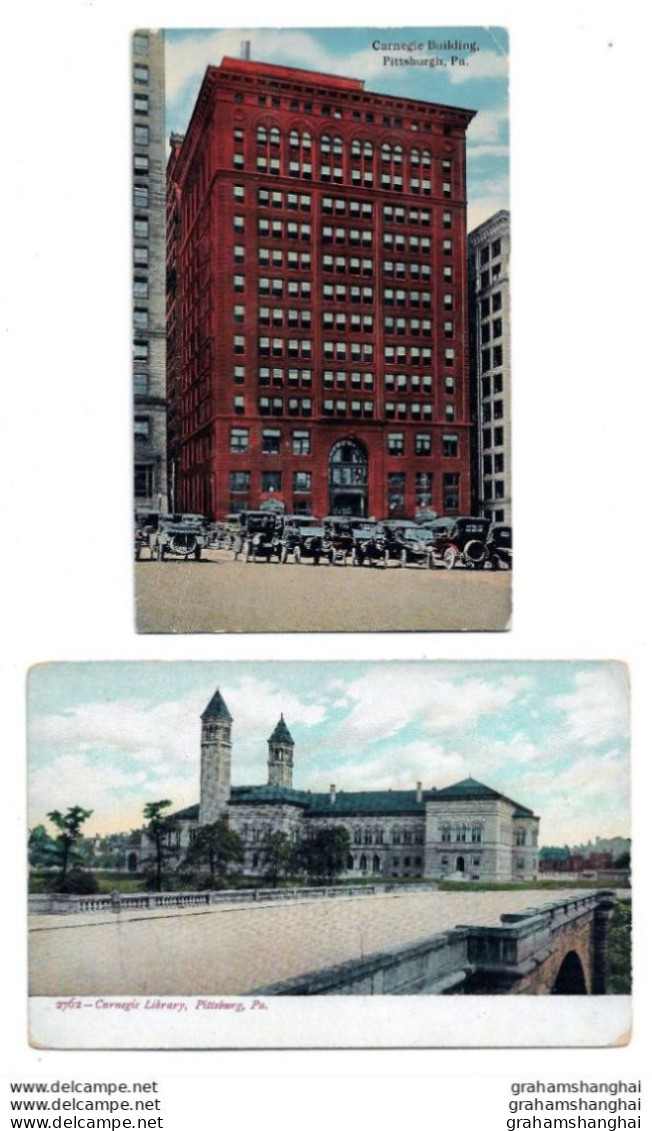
231,950
220,595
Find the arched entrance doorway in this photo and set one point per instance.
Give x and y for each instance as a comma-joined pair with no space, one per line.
570,979
132,862
348,467
459,864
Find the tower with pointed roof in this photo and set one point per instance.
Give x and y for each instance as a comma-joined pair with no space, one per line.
280,755
215,760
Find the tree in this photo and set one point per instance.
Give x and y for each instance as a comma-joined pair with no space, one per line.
215,847
622,861
159,827
42,849
69,825
323,855
279,857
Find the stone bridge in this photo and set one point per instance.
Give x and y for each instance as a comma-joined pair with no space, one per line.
557,948
403,942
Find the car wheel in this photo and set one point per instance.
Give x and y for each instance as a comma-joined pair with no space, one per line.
450,557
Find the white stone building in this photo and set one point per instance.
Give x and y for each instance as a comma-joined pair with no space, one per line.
464,831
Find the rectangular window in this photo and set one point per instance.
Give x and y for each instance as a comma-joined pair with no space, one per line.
300,443
395,443
271,441
239,481
270,481
301,481
449,445
239,440
141,428
423,444
451,491
143,481
141,135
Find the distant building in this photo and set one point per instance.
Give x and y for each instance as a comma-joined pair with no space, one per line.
150,472
317,298
465,831
490,363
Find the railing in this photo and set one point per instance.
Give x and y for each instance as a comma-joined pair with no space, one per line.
64,904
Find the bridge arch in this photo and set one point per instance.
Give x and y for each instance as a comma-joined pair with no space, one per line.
570,976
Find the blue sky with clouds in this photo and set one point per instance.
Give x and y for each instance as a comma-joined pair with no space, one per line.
481,85
553,736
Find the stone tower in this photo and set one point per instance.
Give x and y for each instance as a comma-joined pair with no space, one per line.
215,787
279,758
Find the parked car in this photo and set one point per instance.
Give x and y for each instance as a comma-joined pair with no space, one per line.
370,546
460,541
260,535
179,536
337,544
408,543
499,546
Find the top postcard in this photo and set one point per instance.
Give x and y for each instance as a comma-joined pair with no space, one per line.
321,244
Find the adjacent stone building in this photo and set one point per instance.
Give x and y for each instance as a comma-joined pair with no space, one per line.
464,831
148,90
490,363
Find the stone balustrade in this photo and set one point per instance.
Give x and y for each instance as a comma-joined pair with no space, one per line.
64,904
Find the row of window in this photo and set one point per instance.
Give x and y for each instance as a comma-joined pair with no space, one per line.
417,383
492,411
339,264
493,437
300,444
327,110
492,385
463,833
295,406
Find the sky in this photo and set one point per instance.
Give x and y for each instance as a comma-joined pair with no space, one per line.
552,736
481,84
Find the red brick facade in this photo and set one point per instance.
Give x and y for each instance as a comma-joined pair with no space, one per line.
317,298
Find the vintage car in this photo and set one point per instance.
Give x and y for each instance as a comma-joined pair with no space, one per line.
179,536
337,544
408,543
499,546
460,541
370,546
261,532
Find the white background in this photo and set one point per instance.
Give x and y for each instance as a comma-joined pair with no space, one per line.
581,368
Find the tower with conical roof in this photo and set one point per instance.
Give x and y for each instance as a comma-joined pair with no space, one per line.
215,787
281,752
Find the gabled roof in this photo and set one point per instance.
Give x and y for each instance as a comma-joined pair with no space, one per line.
472,790
217,708
281,733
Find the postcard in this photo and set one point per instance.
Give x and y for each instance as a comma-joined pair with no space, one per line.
321,854
321,330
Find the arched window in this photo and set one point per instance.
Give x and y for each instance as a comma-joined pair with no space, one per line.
294,139
398,153
415,157
460,833
426,158
520,838
357,836
275,136
368,836
396,836
261,135
379,836
349,863
356,148
386,152
306,141
337,146
368,149
363,863
375,864
325,143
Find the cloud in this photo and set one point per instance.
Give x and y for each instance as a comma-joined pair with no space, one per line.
488,126
482,65
597,711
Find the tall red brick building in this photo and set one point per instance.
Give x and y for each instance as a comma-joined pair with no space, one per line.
317,291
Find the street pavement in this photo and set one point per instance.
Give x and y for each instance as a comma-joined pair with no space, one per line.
219,594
